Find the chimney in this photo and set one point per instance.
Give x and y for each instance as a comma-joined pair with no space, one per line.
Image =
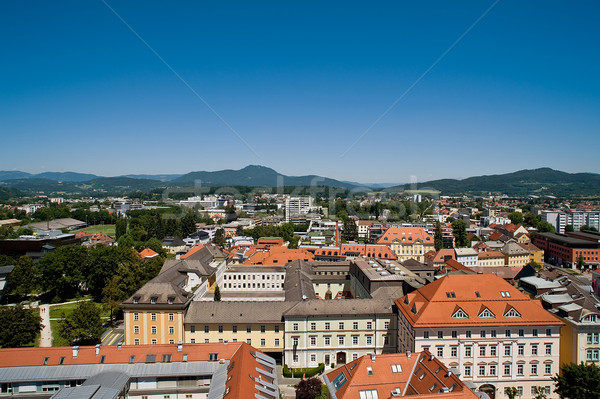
119,345
97,349
372,357
449,373
75,352
179,346
408,354
431,357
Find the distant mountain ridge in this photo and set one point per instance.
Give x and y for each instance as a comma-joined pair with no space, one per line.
541,181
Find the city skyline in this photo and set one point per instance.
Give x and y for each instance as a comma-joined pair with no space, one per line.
365,94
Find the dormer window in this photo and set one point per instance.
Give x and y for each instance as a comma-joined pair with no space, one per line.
460,314
153,299
170,300
136,299
486,314
512,313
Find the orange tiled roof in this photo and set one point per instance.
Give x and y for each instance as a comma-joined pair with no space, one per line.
490,254
435,303
365,373
192,251
368,250
495,235
82,234
278,255
148,253
405,235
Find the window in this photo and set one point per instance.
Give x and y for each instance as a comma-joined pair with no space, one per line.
493,350
492,369
548,368
592,338
468,351
520,390
206,329
166,358
313,358
453,351
467,370
425,334
355,340
440,351
136,316
369,325
468,334
507,369
482,350
355,325
171,330
153,316
171,316
592,355
193,328
482,333
521,350
341,325
454,334
548,349
249,341
295,341
440,334
534,332
192,341
313,326
276,329
548,332
295,326
370,394
313,340
263,329
521,332
519,369
386,325
534,369
507,333
263,342
276,341
396,368
369,370
369,339
171,341
234,329
153,329
340,340
493,333
154,341
482,369
327,340
507,350
136,341
248,329
136,329
534,349
327,326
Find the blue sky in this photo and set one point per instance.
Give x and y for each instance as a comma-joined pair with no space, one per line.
300,82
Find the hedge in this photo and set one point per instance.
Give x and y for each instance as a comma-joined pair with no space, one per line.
305,371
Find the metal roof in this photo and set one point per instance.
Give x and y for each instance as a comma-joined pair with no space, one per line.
219,378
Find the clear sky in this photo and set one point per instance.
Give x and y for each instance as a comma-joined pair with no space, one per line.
300,82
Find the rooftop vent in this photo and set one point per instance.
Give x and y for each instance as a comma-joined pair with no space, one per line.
75,352
97,349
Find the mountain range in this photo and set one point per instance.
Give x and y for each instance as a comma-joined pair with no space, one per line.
542,181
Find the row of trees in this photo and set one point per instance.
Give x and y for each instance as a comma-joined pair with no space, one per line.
109,274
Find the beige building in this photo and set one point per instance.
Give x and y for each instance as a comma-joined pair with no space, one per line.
407,242
491,259
337,331
515,255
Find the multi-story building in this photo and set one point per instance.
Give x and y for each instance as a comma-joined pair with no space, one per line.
467,256
490,259
514,254
407,242
484,328
565,249
201,371
336,331
558,219
576,218
296,206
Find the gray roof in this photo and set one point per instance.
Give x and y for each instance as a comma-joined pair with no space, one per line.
298,281
236,312
556,298
105,385
57,224
512,248
540,283
161,291
202,268
388,293
342,307
570,307
6,269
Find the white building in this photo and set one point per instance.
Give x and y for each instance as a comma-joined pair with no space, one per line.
297,206
467,256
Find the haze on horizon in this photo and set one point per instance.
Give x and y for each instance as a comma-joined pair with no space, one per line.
299,83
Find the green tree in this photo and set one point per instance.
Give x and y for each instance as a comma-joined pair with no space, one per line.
578,381
61,272
511,392
125,241
531,219
217,297
219,238
21,281
569,228
110,295
588,228
516,217
188,224
459,230
120,227
18,326
580,263
155,245
308,388
286,231
350,231
239,230
545,227
540,392
438,239
83,326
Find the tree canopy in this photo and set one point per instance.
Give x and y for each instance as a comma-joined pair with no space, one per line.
459,230
308,388
578,381
18,326
83,326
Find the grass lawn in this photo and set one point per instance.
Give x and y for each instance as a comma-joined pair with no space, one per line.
57,340
108,229
56,310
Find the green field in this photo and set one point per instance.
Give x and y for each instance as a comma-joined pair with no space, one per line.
57,340
108,229
56,310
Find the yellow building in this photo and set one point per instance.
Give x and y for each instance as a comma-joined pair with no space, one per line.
535,254
490,259
515,255
259,324
154,314
408,242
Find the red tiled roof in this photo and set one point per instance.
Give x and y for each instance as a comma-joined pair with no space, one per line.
148,253
406,235
192,251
